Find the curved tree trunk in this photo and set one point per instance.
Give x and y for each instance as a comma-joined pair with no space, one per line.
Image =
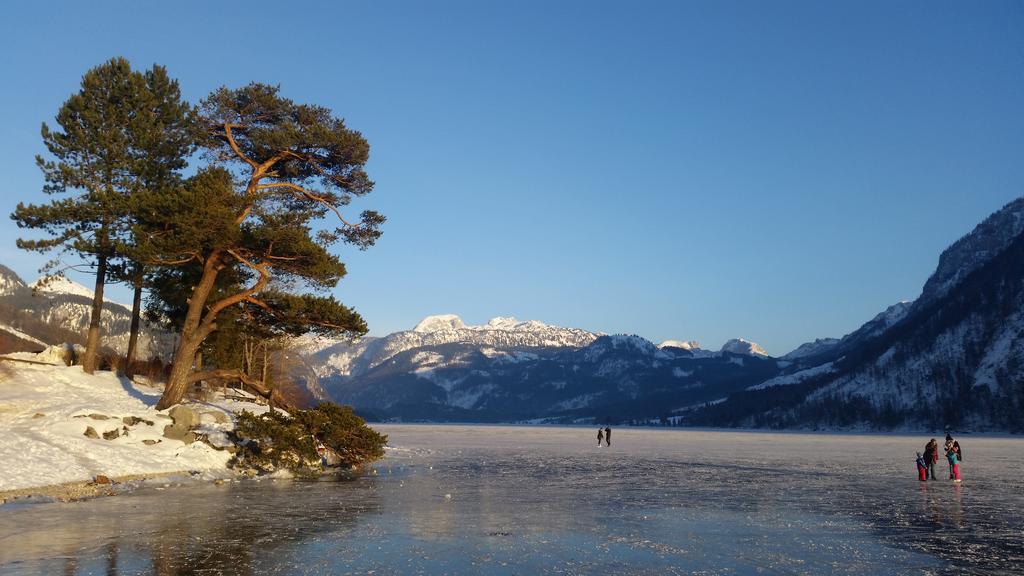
133,337
92,342
191,337
181,369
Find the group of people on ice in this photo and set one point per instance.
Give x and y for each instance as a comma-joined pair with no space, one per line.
926,463
604,434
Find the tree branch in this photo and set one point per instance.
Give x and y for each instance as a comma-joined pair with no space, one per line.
234,145
300,191
273,396
208,324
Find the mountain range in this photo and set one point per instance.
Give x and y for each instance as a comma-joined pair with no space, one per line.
952,358
56,310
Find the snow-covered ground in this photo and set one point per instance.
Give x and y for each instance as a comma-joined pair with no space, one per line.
45,411
545,500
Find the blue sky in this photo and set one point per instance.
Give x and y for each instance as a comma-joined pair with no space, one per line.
779,171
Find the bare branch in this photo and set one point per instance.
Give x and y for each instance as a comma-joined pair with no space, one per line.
234,145
300,191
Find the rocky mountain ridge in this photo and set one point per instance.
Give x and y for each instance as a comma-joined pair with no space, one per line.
58,310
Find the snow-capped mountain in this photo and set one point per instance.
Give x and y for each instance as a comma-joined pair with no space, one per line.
818,346
617,377
987,240
685,345
58,310
953,358
60,286
508,370
741,346
347,359
10,282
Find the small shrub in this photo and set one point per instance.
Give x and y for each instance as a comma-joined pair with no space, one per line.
340,430
274,440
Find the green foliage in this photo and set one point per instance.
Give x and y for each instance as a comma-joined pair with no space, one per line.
123,133
274,440
316,161
339,429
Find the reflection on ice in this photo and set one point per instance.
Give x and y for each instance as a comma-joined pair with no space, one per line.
514,500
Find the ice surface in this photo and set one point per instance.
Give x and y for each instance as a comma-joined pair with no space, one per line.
542,500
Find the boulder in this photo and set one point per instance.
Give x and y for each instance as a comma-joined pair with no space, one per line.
218,416
183,416
184,419
150,441
133,420
184,434
65,354
101,479
90,432
111,434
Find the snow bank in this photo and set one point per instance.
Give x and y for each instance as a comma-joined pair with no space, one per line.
46,410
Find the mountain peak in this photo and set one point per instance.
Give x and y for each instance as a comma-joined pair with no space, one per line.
685,345
741,346
439,322
983,243
60,285
10,282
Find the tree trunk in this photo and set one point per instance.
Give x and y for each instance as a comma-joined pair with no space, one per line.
181,369
133,337
92,342
190,337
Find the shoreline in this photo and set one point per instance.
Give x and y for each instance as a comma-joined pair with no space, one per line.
84,490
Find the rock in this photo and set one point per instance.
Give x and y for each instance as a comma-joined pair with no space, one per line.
133,420
99,417
183,416
111,434
184,434
184,419
218,416
65,354
101,479
90,432
39,415
150,441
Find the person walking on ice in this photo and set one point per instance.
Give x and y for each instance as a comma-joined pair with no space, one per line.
931,456
607,436
954,464
600,437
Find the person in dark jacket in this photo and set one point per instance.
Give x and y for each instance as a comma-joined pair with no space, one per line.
931,456
607,436
600,436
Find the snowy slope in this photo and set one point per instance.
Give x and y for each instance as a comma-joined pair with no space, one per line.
44,411
953,358
967,254
502,333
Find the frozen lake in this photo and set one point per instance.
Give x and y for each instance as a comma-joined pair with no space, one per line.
535,500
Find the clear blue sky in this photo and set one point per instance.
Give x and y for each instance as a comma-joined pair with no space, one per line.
779,171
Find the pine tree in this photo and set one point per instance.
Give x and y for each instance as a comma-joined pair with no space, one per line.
164,137
295,165
94,162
